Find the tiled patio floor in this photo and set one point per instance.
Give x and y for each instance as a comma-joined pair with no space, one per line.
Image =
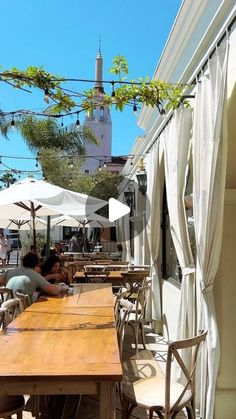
89,406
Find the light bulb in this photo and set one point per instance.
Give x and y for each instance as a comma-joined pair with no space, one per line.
46,95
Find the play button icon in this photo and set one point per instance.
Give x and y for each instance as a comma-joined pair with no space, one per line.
117,209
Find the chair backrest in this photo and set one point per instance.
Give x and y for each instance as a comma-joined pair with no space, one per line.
12,309
119,262
2,317
5,294
103,262
139,267
141,302
24,300
136,276
123,308
174,352
96,276
115,267
94,268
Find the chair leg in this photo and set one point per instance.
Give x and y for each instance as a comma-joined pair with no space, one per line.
190,412
150,414
19,415
143,335
127,408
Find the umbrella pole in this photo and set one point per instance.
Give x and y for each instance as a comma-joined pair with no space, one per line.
33,226
83,239
18,248
48,235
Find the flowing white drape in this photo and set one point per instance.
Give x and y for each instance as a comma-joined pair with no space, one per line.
126,246
123,233
176,170
153,223
209,171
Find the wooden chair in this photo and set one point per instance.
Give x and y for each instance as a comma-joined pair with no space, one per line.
12,309
137,317
160,394
139,267
5,294
103,262
9,405
96,276
134,279
115,267
122,313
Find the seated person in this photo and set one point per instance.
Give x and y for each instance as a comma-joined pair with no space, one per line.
26,279
56,250
43,251
52,270
119,252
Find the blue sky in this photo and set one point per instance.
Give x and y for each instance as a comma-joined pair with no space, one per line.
62,35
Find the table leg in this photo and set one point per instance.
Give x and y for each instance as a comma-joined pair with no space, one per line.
36,406
107,400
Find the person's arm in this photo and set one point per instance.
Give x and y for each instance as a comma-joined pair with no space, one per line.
51,289
55,276
2,279
45,286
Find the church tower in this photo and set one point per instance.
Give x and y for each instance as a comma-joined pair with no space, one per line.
99,120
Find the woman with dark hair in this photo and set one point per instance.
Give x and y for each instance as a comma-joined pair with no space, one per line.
52,270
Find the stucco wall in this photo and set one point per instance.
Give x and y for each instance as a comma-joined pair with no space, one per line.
225,302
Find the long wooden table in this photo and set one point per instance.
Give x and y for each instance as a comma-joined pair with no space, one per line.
64,345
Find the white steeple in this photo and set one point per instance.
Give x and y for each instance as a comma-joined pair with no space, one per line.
99,120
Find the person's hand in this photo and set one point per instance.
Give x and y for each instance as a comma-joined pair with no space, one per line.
63,287
56,277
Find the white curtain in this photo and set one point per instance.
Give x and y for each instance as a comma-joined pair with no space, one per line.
126,246
176,171
209,171
123,233
153,223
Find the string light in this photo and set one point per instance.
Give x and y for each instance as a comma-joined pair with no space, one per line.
100,165
70,163
46,95
113,94
77,120
12,121
135,109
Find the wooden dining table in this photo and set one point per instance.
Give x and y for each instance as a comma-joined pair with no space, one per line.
64,345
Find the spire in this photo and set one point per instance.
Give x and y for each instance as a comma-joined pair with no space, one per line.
98,68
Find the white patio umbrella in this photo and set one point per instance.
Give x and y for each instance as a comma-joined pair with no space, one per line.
23,223
42,198
92,220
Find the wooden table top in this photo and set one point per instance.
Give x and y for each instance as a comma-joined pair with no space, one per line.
72,337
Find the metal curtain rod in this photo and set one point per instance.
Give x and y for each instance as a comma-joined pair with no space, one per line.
217,44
